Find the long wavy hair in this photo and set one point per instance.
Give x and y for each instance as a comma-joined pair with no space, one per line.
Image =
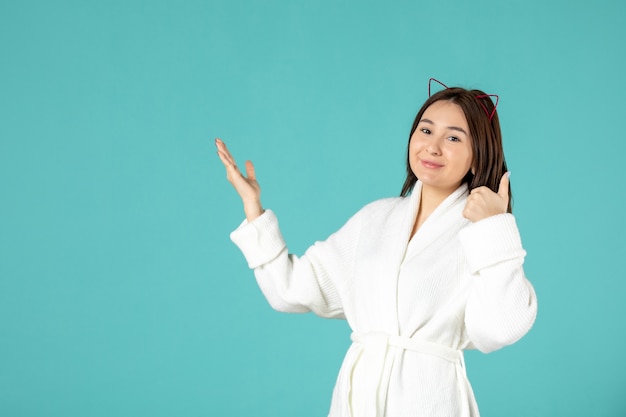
488,164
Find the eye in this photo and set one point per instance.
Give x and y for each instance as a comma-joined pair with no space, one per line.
426,131
454,139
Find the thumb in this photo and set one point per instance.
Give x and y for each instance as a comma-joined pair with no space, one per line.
503,190
250,171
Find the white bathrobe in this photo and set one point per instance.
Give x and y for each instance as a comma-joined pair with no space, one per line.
413,305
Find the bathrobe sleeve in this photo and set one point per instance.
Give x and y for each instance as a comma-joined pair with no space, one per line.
502,304
294,284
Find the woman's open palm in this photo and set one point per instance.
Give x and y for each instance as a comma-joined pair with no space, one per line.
246,186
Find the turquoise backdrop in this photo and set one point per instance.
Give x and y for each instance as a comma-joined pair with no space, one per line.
120,291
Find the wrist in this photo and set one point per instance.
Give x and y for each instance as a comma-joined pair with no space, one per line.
252,210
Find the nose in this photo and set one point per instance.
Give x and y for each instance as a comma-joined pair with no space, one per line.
434,147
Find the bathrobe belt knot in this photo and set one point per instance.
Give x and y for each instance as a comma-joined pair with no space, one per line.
367,396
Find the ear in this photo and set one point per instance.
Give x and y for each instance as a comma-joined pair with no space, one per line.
473,170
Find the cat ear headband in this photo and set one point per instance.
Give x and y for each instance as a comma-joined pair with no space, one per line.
478,97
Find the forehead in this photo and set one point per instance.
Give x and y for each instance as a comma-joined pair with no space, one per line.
445,113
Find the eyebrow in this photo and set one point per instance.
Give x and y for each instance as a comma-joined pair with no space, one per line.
460,129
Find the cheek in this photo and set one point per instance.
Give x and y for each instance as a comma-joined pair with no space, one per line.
413,150
468,155
415,144
465,161
470,163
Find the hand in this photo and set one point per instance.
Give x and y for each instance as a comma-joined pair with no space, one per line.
483,203
247,187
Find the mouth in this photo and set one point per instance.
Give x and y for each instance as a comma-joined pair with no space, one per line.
430,164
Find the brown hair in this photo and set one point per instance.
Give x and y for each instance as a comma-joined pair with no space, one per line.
488,161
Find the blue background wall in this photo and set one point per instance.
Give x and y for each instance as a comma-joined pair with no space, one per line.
120,292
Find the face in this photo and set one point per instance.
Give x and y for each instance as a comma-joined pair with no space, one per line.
440,150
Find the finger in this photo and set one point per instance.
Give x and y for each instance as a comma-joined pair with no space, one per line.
221,146
225,160
250,172
468,213
219,143
503,190
232,170
480,189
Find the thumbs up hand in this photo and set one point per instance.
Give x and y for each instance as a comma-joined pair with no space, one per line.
483,202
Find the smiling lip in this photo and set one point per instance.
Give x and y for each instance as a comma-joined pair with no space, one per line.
430,164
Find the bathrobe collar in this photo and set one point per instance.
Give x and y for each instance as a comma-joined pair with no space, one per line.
444,217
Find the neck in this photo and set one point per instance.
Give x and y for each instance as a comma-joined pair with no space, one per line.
430,199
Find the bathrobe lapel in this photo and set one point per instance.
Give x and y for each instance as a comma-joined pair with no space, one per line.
445,217
382,253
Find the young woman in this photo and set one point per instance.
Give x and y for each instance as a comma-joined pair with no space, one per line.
420,277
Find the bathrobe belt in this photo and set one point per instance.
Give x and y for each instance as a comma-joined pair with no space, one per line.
369,397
